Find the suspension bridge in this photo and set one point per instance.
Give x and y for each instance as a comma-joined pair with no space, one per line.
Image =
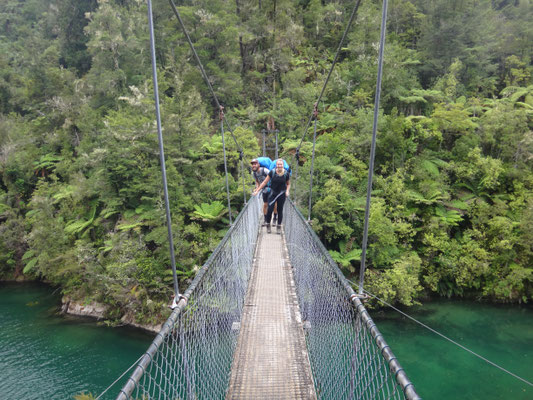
271,316
268,316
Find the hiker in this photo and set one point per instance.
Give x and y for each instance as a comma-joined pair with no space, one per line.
280,185
260,173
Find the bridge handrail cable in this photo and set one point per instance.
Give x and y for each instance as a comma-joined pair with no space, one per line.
172,358
220,108
454,342
327,299
313,115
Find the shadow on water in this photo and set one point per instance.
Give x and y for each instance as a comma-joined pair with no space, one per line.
501,333
46,355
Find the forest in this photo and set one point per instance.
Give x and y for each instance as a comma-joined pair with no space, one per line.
81,200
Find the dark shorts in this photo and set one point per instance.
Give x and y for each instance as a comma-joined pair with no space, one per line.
266,193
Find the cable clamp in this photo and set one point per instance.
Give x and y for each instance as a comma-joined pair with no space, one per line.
297,154
221,113
241,155
175,303
363,297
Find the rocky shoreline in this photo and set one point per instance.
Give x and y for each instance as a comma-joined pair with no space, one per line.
98,311
89,310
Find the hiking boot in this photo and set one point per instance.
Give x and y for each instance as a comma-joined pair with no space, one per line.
269,229
278,229
275,218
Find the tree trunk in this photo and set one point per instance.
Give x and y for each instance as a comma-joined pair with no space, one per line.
241,44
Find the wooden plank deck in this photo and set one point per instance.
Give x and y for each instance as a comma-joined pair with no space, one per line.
271,360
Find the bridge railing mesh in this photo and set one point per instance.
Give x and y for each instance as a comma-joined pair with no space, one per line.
191,357
349,357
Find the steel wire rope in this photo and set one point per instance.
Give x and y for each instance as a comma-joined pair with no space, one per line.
214,267
317,103
373,145
120,377
213,94
365,237
225,162
318,278
162,153
312,167
443,335
213,284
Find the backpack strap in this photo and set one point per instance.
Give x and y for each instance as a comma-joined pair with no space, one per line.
260,172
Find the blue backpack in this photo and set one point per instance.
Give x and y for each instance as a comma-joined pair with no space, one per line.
264,162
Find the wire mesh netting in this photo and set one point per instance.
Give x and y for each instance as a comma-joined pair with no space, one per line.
349,357
191,357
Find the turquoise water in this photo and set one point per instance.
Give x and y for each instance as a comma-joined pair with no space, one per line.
44,355
441,370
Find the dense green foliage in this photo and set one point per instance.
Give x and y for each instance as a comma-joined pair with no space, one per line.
80,191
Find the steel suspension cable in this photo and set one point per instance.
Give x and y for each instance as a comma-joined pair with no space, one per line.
243,182
213,94
317,103
221,114
119,378
162,153
202,70
373,145
312,166
341,42
444,336
276,132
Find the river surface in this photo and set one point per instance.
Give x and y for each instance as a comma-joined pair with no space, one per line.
44,355
441,370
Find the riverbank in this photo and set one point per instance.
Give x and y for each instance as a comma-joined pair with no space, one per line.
98,311
79,308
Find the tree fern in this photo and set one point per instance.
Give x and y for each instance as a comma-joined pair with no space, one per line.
431,198
3,208
79,226
344,258
431,167
450,217
209,212
30,260
65,192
